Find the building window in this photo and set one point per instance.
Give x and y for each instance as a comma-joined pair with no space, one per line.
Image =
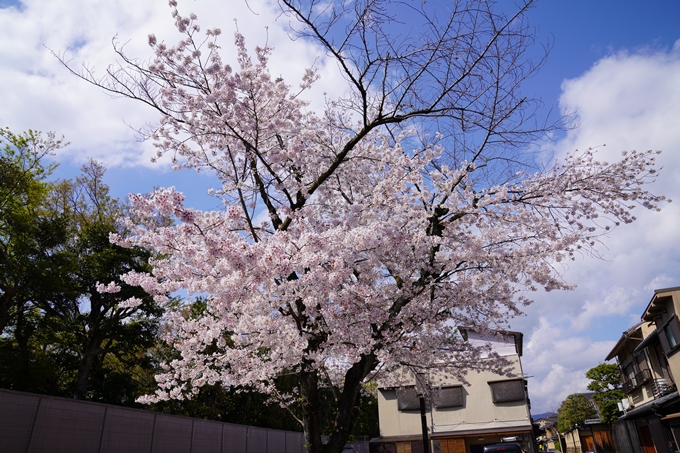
507,391
670,336
629,371
446,397
408,399
641,361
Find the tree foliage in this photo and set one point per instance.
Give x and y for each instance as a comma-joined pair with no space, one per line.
356,240
54,252
605,381
29,234
575,410
99,321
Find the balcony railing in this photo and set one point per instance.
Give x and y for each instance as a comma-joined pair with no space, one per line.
643,377
628,386
640,378
661,387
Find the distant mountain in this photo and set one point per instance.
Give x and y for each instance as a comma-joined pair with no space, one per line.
543,415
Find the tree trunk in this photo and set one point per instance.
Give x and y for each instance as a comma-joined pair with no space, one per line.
87,357
311,405
5,305
347,407
21,335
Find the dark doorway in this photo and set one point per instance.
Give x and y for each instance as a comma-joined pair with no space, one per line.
646,439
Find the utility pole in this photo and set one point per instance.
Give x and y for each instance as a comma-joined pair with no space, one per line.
422,389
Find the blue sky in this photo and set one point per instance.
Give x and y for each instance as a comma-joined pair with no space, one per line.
615,64
585,31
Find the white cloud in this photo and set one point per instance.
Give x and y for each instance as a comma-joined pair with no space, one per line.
626,101
616,301
554,387
40,94
558,361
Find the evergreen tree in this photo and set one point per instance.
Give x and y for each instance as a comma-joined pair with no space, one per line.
29,234
97,321
606,383
32,257
575,410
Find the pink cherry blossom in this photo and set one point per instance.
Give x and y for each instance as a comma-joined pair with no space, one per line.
356,241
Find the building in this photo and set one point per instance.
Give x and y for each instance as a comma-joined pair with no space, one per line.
547,425
461,418
647,354
589,436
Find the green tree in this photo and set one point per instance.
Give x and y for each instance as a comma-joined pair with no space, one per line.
61,335
574,411
33,261
29,234
606,383
97,323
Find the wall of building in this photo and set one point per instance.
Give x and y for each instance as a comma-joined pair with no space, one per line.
670,301
478,412
673,309
625,437
574,441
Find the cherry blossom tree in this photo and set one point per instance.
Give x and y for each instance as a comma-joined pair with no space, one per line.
354,241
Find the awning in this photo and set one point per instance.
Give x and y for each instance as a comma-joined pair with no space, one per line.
647,341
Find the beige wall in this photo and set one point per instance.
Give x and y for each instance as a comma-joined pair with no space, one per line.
676,299
664,316
478,412
642,395
573,441
647,328
671,309
674,365
674,359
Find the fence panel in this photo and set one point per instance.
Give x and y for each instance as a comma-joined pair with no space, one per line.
294,442
127,431
603,440
257,440
46,424
172,434
276,441
207,437
235,439
17,414
64,425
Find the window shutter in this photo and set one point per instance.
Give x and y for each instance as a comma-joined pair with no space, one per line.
407,399
507,391
448,397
